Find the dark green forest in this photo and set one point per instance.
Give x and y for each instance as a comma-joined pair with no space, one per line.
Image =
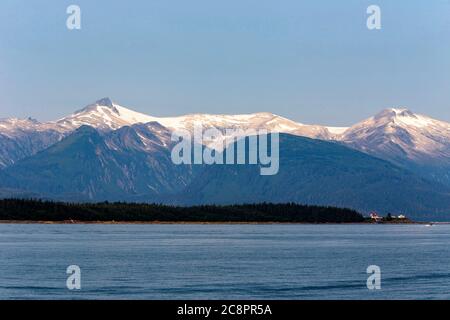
39,210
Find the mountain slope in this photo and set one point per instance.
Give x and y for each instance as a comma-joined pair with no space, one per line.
133,164
416,142
410,140
323,173
22,138
108,152
89,166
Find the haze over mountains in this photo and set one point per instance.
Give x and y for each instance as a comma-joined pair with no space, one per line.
396,161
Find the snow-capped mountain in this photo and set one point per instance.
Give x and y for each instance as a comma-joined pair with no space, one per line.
11,127
414,141
21,138
395,134
108,152
105,114
399,134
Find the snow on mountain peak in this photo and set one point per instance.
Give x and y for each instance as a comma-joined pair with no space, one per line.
399,133
393,113
11,127
403,117
392,133
401,111
104,114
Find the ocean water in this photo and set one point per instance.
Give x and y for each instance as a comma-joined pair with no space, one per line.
224,261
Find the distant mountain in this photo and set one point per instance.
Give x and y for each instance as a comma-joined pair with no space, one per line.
126,164
105,114
108,152
133,164
22,138
323,173
413,141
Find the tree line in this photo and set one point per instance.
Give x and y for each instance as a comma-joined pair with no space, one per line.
41,210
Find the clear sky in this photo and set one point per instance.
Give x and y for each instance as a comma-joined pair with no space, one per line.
313,61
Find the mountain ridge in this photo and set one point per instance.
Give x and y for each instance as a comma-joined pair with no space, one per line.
108,152
324,173
91,166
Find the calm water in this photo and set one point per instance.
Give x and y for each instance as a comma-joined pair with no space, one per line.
224,261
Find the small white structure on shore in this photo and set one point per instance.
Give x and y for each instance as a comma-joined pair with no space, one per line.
401,216
375,216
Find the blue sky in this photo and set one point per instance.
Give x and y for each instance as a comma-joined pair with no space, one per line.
312,61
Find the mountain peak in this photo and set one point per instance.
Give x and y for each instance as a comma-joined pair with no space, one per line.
395,112
106,102
104,114
404,118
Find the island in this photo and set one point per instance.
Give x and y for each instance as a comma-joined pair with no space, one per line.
36,210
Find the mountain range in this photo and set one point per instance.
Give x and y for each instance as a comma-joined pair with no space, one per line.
396,161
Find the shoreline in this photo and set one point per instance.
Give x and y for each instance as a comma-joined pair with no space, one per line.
203,222
20,211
